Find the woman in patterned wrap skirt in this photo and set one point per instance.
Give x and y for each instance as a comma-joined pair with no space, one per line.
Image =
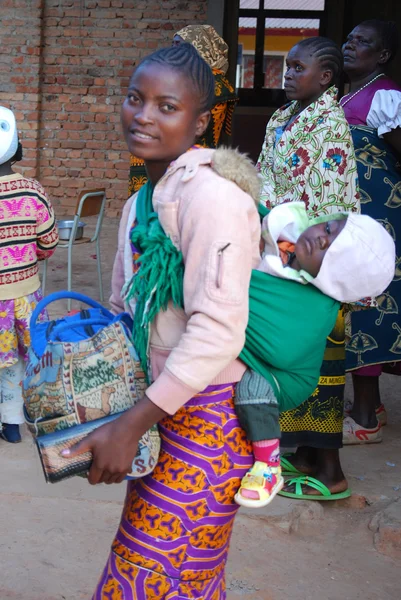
174,534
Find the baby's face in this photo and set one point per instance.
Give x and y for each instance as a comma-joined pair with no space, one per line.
313,244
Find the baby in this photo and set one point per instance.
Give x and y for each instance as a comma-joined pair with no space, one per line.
347,257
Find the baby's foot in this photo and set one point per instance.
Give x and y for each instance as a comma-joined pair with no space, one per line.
259,485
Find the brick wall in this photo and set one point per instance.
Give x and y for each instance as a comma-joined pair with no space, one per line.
64,69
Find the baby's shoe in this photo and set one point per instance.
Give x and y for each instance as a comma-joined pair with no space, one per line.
10,433
259,486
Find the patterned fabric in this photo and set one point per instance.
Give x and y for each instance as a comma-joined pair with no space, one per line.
318,422
137,175
221,120
28,233
375,335
174,535
11,403
15,316
222,111
310,160
212,48
74,382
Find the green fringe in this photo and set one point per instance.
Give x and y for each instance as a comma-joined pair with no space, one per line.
158,280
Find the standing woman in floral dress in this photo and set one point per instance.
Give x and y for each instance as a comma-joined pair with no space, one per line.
308,156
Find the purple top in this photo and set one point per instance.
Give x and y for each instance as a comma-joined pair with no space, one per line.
357,110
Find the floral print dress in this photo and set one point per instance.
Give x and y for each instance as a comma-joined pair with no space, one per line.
311,160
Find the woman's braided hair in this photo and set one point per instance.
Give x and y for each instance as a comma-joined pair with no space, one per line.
185,58
328,54
387,33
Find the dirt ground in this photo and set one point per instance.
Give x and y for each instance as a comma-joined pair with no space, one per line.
55,538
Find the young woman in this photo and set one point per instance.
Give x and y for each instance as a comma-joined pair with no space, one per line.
176,524
373,109
214,50
308,156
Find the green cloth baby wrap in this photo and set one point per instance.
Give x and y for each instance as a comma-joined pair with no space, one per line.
288,322
286,335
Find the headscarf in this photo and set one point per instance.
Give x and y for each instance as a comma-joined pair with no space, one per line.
208,43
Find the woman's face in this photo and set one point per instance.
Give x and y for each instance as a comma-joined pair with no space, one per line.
160,115
362,52
304,79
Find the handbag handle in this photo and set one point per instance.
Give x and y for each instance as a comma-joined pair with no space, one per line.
83,323
62,296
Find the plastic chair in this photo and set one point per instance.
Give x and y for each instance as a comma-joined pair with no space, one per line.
90,203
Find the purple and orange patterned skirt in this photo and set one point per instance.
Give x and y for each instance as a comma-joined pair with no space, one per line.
173,539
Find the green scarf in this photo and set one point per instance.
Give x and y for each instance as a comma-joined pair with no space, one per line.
159,278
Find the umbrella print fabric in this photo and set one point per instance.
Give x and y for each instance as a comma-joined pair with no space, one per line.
394,200
370,157
372,338
386,305
396,347
360,343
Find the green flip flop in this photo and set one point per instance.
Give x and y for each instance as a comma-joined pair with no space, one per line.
325,493
288,469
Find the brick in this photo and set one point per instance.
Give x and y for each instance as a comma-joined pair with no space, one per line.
65,74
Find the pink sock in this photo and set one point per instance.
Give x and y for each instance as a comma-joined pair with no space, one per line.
267,451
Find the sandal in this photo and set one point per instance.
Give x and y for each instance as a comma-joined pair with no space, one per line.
287,468
311,482
258,480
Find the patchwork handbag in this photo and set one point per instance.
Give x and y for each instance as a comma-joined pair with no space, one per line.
82,372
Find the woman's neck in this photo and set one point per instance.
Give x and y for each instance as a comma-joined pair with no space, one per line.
156,170
358,81
307,102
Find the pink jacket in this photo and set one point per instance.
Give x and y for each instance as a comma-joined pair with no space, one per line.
206,203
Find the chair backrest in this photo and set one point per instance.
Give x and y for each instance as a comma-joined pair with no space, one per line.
90,202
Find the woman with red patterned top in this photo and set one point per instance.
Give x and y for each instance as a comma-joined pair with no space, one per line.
28,233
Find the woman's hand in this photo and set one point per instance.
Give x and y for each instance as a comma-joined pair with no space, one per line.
114,445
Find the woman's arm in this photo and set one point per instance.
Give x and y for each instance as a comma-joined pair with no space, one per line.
47,232
331,184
